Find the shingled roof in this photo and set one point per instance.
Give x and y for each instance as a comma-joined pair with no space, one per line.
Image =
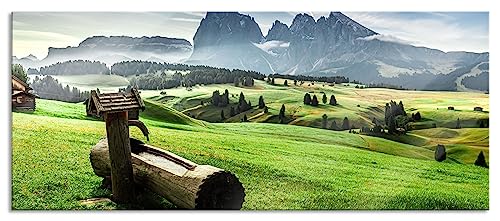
117,102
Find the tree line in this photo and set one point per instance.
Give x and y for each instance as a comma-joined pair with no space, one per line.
49,88
222,100
331,79
333,126
314,100
75,67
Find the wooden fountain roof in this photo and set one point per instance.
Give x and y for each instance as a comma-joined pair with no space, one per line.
117,102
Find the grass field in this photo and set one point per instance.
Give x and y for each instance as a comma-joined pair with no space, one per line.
280,166
432,105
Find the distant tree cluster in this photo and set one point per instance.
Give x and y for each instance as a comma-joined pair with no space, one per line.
384,85
129,68
243,105
270,80
153,76
346,125
18,71
331,79
395,117
50,88
416,116
220,100
76,67
314,100
157,81
244,81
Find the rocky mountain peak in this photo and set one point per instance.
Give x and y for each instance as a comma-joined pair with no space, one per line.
339,17
226,28
302,21
31,57
279,31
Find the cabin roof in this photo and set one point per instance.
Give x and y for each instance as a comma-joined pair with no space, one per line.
22,83
18,93
117,102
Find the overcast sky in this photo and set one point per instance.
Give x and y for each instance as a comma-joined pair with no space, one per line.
34,32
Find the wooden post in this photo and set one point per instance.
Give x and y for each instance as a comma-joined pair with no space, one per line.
122,178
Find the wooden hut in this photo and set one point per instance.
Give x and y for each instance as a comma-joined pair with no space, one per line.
22,98
451,108
478,109
97,103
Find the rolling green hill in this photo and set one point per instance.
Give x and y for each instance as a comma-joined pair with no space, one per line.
431,104
280,166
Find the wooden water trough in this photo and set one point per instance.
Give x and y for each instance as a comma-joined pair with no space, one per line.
129,162
182,182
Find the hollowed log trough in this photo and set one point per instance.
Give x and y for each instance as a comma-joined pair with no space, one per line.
182,182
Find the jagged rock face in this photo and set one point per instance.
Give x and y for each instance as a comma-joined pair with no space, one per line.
226,39
279,31
333,45
224,28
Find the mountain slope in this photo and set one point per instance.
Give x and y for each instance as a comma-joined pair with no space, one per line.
333,45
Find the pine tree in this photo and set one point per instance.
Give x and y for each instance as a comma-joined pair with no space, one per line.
334,126
222,117
481,161
18,71
440,153
324,121
216,98
231,111
345,124
245,119
402,108
282,113
458,124
325,99
242,103
418,116
333,101
262,104
285,83
307,99
266,109
314,101
272,81
225,98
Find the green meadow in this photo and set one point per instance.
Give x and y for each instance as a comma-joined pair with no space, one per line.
280,166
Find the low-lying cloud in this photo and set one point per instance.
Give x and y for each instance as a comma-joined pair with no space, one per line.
268,46
387,38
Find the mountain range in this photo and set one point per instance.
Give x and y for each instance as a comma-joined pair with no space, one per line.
113,49
328,46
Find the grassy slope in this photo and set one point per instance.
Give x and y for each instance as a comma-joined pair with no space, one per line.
313,169
461,144
432,105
